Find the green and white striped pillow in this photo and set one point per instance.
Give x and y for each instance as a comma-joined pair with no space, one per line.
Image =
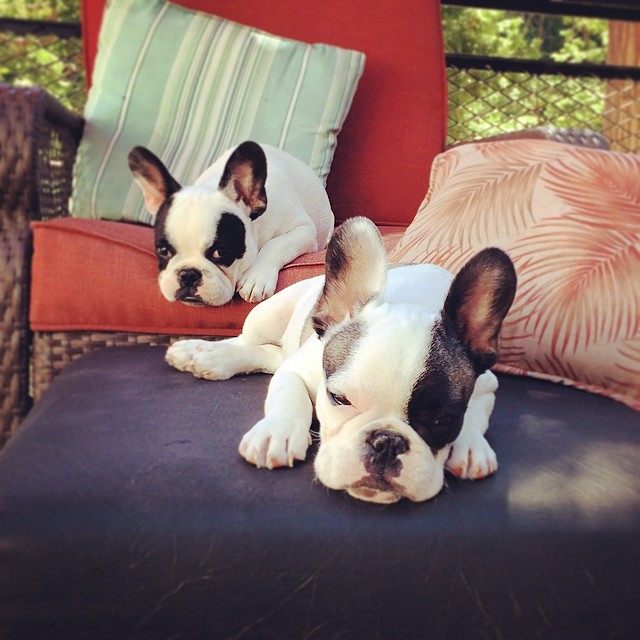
189,85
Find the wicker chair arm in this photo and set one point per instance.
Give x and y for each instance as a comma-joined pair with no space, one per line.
38,141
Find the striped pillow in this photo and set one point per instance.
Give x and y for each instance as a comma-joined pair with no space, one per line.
189,85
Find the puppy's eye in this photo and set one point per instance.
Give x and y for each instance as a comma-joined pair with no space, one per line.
337,399
438,430
218,254
165,251
443,421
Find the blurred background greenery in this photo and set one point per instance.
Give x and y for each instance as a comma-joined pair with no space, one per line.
483,102
41,58
61,10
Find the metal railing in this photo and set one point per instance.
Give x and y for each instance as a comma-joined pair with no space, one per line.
487,95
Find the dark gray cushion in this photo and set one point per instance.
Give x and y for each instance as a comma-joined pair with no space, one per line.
126,512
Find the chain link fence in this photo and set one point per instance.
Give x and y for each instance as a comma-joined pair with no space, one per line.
44,54
486,96
486,99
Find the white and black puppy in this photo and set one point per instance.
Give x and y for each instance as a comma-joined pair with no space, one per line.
394,361
253,211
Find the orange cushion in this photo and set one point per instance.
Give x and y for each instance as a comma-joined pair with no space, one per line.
397,122
103,276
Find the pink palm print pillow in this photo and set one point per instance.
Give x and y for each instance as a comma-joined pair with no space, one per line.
569,217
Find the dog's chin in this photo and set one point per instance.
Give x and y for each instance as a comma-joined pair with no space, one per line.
206,298
192,301
189,297
371,494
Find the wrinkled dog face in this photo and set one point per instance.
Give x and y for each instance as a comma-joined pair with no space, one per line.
398,377
202,247
202,237
370,445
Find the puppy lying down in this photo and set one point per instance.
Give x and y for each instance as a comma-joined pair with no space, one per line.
394,362
255,209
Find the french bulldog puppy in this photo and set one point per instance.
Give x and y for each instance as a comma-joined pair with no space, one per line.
395,362
253,211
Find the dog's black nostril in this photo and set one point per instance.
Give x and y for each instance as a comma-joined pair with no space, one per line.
384,447
189,277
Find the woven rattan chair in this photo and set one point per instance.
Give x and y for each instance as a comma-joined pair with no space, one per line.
38,141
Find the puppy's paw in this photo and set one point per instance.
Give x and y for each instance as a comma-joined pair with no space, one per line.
257,285
472,458
273,443
180,354
204,359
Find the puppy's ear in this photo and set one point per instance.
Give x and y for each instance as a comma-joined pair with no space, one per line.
478,300
244,176
156,182
356,272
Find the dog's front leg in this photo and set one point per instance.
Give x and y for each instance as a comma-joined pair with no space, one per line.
471,456
282,436
259,281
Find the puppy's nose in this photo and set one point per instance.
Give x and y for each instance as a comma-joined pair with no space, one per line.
384,447
189,277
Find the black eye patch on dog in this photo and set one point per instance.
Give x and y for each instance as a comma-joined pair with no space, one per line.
440,396
435,413
230,241
434,425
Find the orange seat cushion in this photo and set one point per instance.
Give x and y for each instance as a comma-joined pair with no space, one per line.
102,276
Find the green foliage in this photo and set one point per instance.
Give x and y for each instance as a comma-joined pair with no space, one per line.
60,10
45,60
583,40
486,32
514,34
483,103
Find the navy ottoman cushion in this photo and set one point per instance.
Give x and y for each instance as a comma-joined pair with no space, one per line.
126,512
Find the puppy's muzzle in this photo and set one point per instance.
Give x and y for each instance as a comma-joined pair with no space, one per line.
382,450
189,280
383,466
